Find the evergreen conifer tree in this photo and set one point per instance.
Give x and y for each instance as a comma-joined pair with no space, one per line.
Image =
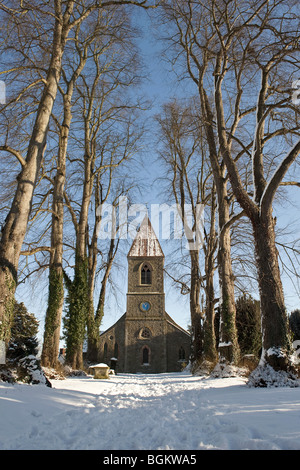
23,340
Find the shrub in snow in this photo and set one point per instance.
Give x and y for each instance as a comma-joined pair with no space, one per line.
30,371
6,375
224,370
266,376
204,368
284,374
250,361
69,372
54,374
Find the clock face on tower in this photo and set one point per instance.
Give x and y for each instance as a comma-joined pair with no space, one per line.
145,306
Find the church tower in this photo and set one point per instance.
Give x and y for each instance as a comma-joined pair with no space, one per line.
145,322
145,339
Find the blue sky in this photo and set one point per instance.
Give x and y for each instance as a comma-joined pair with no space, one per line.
161,86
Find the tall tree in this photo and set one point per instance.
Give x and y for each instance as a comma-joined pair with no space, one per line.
194,42
184,152
14,228
249,40
56,287
61,16
274,46
109,137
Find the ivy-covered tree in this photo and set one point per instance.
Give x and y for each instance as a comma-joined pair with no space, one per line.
23,340
77,302
248,325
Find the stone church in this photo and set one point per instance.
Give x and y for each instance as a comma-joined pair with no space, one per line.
145,339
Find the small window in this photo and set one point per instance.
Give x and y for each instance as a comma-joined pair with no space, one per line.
146,355
146,274
116,350
105,350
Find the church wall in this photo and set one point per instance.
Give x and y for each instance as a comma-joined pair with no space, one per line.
156,301
155,343
153,320
178,348
115,335
163,344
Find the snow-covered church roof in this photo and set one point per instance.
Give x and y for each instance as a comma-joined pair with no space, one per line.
146,242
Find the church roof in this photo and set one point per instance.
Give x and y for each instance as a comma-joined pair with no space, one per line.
146,242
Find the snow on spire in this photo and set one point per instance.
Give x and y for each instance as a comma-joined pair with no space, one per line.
146,242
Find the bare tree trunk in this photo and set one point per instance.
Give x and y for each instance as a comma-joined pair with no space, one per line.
14,229
217,44
276,345
179,125
210,353
195,309
56,287
228,346
259,211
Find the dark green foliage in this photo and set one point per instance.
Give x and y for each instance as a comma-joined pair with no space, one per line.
56,294
53,317
24,329
77,302
248,321
294,321
229,334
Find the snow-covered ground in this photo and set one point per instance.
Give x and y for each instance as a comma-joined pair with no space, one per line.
149,412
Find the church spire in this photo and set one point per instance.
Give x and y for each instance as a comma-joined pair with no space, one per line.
146,242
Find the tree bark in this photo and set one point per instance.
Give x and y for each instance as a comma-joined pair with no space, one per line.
210,353
78,300
228,346
276,345
195,309
56,287
15,226
215,40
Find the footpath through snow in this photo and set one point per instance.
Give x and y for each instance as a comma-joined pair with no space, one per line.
149,412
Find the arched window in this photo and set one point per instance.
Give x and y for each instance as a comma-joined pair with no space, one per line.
105,350
181,354
145,355
116,350
146,274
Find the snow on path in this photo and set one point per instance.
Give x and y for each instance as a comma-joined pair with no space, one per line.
149,412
